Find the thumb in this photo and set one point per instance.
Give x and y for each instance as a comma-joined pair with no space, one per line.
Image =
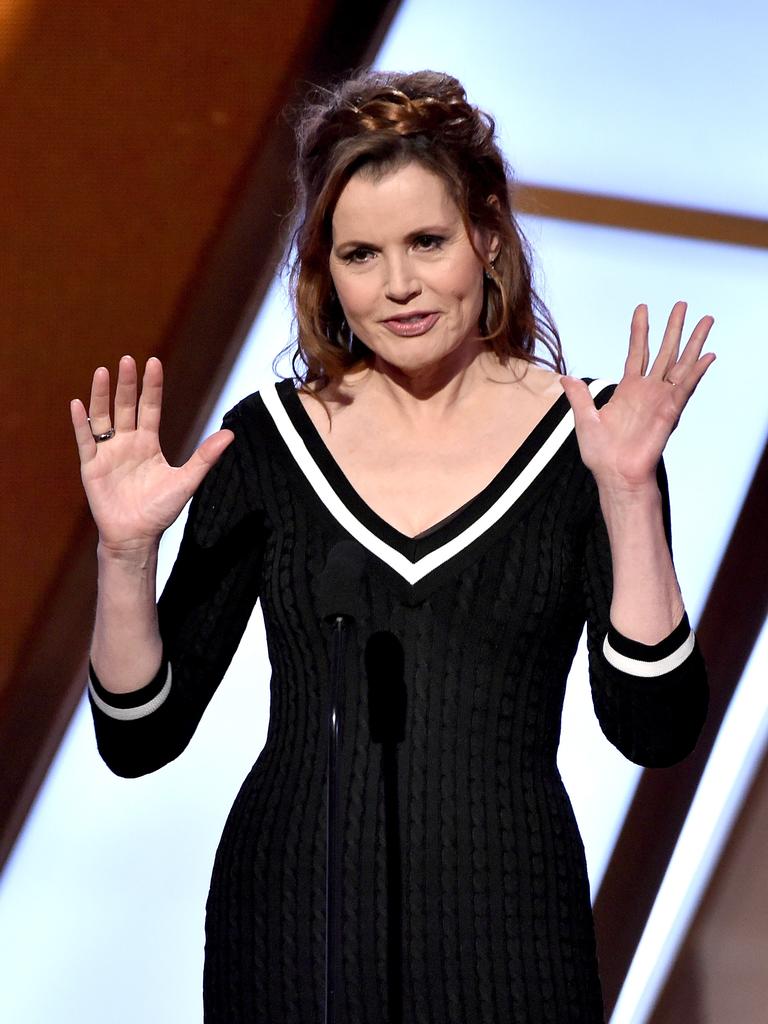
205,457
577,393
213,447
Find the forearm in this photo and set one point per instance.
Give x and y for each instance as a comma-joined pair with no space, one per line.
646,603
126,650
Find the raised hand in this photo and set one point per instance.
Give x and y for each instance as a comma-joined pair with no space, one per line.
133,493
622,442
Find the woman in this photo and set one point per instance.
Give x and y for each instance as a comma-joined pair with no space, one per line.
426,427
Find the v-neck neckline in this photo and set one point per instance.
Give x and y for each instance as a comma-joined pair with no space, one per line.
414,557
341,483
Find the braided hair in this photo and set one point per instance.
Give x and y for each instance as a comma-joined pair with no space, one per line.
382,121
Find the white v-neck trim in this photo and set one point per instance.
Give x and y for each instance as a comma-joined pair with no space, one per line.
413,572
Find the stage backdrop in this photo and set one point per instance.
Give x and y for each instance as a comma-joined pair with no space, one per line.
101,905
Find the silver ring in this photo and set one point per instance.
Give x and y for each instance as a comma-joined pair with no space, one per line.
106,436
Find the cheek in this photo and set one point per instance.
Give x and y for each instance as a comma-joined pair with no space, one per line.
469,291
354,296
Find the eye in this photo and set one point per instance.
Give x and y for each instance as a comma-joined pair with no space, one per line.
428,243
359,255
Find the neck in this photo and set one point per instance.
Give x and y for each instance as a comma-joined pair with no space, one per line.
433,389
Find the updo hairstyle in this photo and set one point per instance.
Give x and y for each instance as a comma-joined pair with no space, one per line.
382,121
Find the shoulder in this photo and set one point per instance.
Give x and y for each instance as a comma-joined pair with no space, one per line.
256,421
247,467
538,380
254,415
251,407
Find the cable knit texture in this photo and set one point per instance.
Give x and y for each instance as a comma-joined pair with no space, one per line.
465,892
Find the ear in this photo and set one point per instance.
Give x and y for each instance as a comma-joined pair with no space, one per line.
493,247
486,243
492,240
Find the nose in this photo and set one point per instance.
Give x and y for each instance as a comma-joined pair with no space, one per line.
402,283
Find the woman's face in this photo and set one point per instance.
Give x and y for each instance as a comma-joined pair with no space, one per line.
408,280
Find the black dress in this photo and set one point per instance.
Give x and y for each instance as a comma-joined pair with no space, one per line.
466,899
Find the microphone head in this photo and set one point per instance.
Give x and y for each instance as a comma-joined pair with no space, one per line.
338,585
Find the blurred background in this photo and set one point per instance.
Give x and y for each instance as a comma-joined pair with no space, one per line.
145,188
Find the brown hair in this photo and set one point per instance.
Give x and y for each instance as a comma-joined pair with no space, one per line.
381,121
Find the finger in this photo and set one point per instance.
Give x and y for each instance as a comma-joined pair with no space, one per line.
579,396
125,395
151,401
98,407
85,443
207,454
694,375
670,345
637,356
696,342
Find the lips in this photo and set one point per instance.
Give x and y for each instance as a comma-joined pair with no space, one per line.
412,324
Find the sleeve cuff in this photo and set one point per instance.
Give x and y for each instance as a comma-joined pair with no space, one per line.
128,707
649,660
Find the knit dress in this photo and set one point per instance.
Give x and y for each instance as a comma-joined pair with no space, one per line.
465,893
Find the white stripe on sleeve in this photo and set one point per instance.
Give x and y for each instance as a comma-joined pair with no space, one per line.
132,714
649,669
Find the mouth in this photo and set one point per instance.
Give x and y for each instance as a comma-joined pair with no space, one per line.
409,325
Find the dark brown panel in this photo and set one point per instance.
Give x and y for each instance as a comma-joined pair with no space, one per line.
148,175
730,624
720,973
661,219
125,127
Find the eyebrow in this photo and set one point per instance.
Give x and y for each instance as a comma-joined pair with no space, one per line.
432,229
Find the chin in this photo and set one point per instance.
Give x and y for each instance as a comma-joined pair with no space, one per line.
410,364
415,359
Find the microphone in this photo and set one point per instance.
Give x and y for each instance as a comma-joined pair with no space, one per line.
338,596
338,585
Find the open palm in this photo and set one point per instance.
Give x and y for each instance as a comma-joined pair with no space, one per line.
622,442
133,492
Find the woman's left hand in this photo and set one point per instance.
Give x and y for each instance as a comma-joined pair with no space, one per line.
622,442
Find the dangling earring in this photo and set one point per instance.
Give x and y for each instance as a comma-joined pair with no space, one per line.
343,334
488,275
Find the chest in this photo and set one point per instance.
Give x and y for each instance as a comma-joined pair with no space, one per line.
385,488
413,478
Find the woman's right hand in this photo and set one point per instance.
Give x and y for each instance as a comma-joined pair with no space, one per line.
133,493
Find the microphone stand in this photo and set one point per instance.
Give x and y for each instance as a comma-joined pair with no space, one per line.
338,591
333,875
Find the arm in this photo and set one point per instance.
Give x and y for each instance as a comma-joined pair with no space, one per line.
650,697
201,616
622,443
134,496
646,601
126,649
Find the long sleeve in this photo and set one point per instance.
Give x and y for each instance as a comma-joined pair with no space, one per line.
650,700
203,612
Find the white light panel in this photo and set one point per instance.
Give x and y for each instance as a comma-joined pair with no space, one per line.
738,752
646,98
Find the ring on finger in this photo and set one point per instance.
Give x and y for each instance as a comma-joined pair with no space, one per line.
669,380
106,436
